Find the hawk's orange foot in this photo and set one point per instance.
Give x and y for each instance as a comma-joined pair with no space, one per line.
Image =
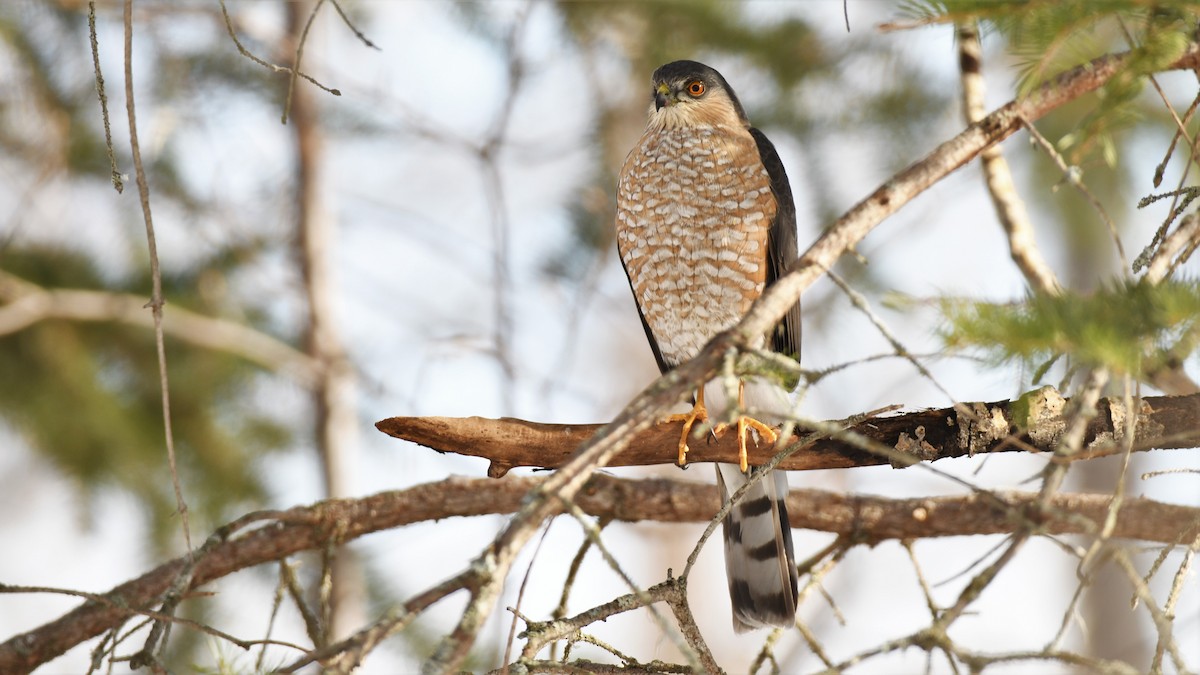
698,414
765,432
744,423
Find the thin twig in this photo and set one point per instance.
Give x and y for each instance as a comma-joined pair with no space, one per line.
572,572
1167,257
266,64
1072,174
299,53
1162,622
516,609
1181,131
117,182
156,297
1181,575
860,302
312,622
157,617
276,603
354,29
695,654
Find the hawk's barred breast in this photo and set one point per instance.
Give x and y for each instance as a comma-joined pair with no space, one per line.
694,208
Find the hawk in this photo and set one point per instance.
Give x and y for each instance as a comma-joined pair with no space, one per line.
705,221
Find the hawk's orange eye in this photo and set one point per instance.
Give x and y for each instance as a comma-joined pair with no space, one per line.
695,88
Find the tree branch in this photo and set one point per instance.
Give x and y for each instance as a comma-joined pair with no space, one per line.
28,303
277,535
1163,422
1010,208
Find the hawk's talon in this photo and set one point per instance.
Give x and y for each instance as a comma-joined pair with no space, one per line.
745,423
698,413
765,432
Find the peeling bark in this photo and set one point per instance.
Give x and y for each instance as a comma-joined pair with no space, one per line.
1032,423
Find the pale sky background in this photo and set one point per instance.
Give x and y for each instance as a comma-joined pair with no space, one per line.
413,270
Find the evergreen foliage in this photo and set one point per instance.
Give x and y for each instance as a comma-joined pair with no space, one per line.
1128,327
1048,37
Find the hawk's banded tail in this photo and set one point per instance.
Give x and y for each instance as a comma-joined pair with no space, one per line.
763,587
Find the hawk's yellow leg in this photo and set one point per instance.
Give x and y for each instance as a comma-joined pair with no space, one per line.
745,422
698,414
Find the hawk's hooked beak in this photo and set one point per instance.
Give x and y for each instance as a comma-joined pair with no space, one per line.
663,97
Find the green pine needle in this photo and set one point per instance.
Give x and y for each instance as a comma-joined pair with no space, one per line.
1129,328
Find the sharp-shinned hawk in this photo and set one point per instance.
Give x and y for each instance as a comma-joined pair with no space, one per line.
705,221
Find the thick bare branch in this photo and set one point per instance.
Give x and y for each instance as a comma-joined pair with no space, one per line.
278,535
1164,422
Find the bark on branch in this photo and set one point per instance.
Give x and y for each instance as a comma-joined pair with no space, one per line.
1163,422
270,536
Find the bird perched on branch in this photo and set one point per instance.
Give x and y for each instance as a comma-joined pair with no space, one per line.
705,221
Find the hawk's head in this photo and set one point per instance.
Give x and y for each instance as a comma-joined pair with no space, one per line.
690,94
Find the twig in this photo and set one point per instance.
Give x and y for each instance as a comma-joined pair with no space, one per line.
354,29
516,609
156,309
694,650
312,623
1177,582
1072,175
859,301
265,64
347,654
673,592
1180,131
1166,472
117,182
157,617
299,53
1166,640
978,661
276,603
1167,256
810,639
